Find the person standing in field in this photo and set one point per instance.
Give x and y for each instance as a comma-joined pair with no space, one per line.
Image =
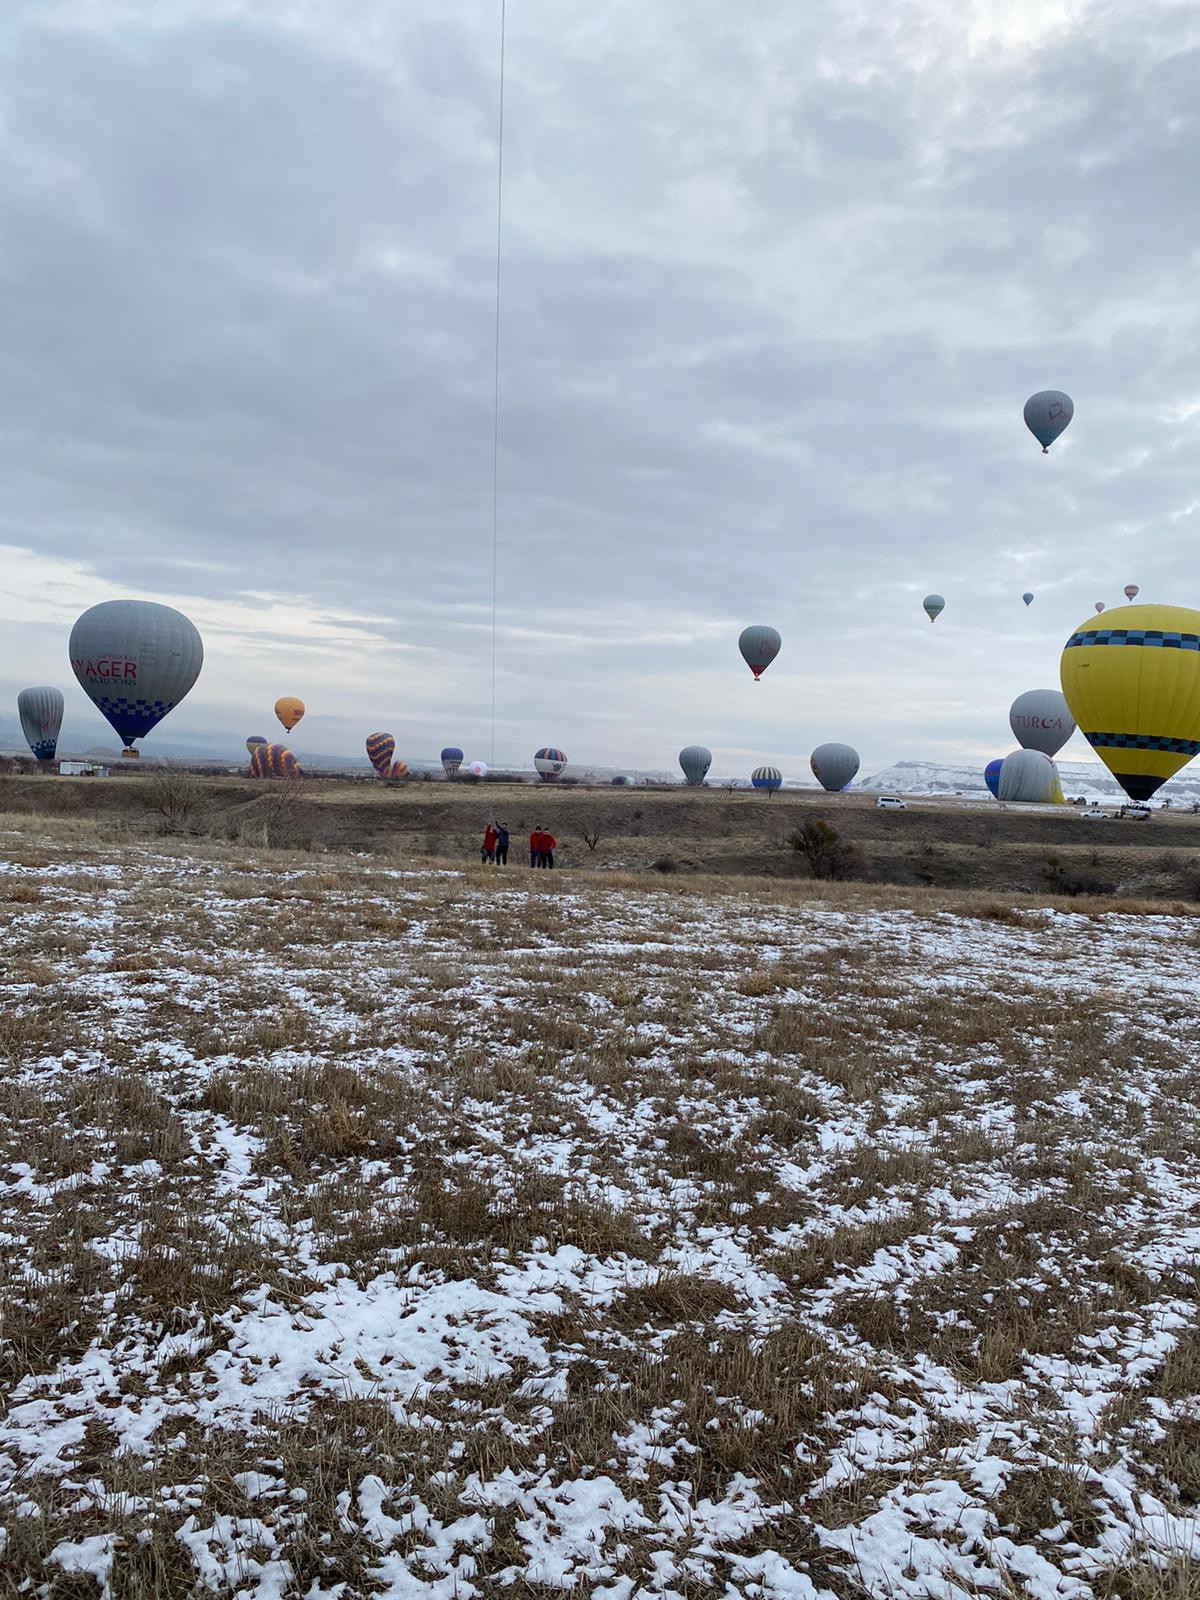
502,844
535,848
548,844
488,851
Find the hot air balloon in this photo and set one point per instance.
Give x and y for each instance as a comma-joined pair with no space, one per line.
768,778
478,769
398,771
1028,597
41,714
381,747
1133,686
273,761
619,780
1099,607
1131,591
991,776
934,606
1040,720
695,759
759,646
834,766
1047,413
289,710
452,759
254,739
548,763
136,660
1028,776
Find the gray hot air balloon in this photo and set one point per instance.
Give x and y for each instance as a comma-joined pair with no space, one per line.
1040,720
1047,413
695,761
934,606
834,766
1028,597
41,714
759,646
1030,776
136,660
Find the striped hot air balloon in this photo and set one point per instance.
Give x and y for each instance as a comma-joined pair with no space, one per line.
399,770
253,741
452,759
381,747
548,763
768,778
274,761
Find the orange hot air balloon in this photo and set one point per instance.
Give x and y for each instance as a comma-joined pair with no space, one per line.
289,710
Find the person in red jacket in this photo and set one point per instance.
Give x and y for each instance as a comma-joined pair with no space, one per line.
535,848
488,852
548,844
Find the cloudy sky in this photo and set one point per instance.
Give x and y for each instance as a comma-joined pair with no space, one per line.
777,280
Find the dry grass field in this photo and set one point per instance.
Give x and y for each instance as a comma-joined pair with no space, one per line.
373,1227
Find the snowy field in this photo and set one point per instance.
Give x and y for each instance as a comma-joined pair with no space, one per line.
410,1233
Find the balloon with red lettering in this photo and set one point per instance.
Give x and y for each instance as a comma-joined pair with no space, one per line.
1047,413
381,747
1041,720
289,710
274,761
41,714
759,646
135,660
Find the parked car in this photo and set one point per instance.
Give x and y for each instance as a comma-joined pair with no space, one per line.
1094,815
1138,813
890,802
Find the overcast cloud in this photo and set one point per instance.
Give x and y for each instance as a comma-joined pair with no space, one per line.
777,281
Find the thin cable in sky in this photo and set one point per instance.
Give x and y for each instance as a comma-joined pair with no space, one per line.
496,375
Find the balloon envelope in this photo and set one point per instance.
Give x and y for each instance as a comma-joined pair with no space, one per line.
135,660
991,776
1031,777
695,759
1132,682
254,739
1040,720
759,646
289,710
478,769
273,761
1131,591
452,759
41,714
1099,607
549,762
934,606
381,747
834,766
1047,413
1028,597
398,770
766,777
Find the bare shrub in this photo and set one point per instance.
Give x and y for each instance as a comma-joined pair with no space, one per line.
827,854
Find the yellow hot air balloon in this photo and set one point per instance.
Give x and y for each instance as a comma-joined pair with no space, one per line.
1132,681
289,710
